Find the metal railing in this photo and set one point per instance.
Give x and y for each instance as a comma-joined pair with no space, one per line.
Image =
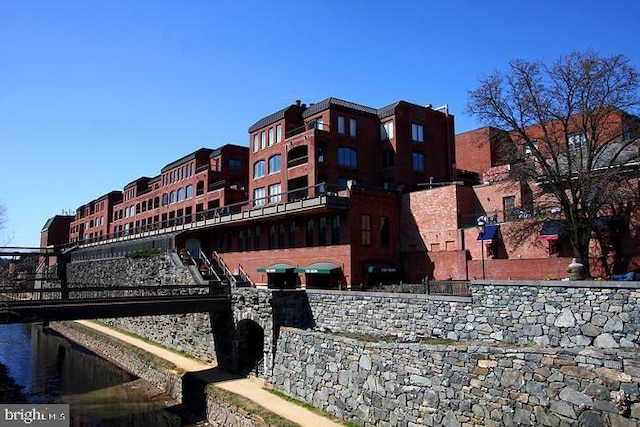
225,270
185,221
244,276
210,270
458,288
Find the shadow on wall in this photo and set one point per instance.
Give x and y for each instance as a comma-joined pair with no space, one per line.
224,335
292,309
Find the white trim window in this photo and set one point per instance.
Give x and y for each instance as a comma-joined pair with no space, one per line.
342,125
353,128
386,130
258,196
417,132
275,191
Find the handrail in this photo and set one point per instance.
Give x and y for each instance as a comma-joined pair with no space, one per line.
185,222
228,274
210,270
243,274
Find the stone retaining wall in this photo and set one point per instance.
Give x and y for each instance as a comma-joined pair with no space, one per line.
466,384
117,352
219,413
153,270
556,314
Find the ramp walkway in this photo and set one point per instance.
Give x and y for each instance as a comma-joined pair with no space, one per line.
250,388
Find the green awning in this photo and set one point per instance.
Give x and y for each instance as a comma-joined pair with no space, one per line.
277,268
381,268
319,268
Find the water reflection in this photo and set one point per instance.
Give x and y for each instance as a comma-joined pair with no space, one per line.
45,368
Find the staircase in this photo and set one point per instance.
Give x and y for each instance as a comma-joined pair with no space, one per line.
241,279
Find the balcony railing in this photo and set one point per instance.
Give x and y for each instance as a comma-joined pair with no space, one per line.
267,205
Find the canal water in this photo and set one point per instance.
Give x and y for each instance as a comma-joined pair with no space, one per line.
39,366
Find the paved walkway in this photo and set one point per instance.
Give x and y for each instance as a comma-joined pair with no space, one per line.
251,388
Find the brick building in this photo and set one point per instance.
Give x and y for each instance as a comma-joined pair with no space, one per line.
336,194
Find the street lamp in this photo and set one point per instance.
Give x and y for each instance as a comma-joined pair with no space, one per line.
481,229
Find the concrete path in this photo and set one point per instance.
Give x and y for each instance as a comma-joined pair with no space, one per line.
251,388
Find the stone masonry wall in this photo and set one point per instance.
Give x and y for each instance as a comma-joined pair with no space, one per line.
111,349
556,314
154,270
391,384
189,333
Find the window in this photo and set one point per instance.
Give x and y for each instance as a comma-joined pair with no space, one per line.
272,236
577,140
385,235
278,133
388,159
275,163
366,230
388,185
263,139
353,128
292,234
321,151
527,148
322,231
258,196
172,197
417,132
235,165
271,137
335,230
386,130
281,236
258,169
347,157
418,162
509,206
274,193
180,194
317,123
256,244
189,191
342,125
247,241
310,232
240,240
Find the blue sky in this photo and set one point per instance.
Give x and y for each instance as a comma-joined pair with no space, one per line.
94,94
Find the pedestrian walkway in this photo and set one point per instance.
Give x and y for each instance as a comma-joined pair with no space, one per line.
250,388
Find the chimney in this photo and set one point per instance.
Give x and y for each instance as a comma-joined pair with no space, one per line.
298,102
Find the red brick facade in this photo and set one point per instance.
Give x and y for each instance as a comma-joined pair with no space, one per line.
370,193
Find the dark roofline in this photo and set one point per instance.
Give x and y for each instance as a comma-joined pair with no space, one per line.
272,118
106,196
218,151
185,159
53,218
339,103
137,181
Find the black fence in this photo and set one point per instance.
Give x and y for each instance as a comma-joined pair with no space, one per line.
458,288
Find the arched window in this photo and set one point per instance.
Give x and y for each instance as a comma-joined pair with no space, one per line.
275,163
180,194
199,188
165,199
172,197
189,191
156,202
347,157
258,169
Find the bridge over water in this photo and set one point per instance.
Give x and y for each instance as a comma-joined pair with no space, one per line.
23,300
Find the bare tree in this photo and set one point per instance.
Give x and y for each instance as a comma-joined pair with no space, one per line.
3,219
573,135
